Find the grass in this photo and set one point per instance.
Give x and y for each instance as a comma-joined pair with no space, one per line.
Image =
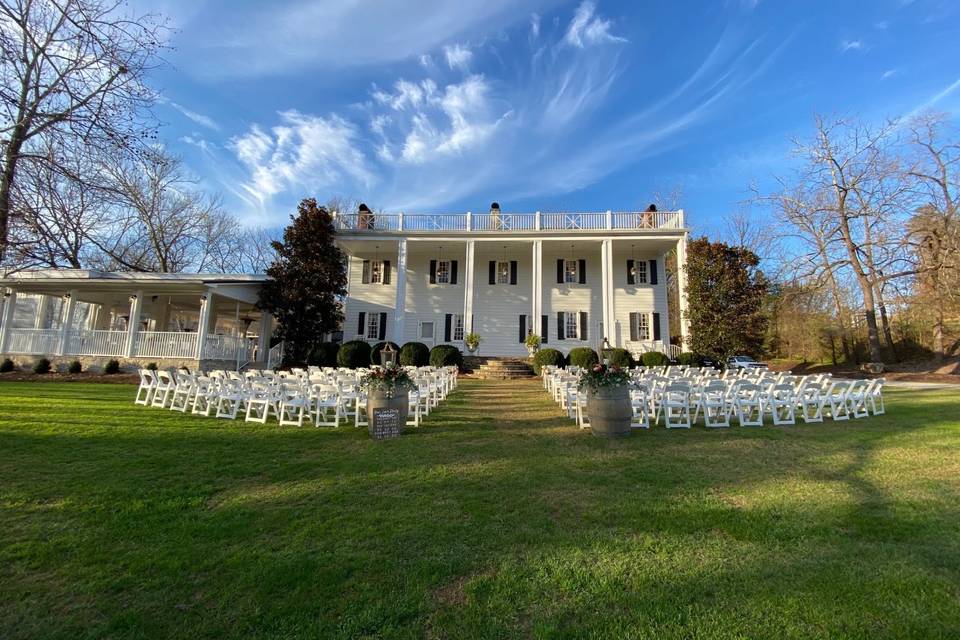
496,520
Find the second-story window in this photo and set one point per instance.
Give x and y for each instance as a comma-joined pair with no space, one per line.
640,272
443,272
376,272
570,274
503,272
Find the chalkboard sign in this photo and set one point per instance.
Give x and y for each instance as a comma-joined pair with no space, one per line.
385,424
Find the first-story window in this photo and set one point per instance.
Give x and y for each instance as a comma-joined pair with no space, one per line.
643,325
570,325
458,328
570,271
373,326
503,272
443,272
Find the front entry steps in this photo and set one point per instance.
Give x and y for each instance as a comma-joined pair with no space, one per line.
503,369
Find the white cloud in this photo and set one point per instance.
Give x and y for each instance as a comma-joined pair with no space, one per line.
889,73
851,45
199,118
534,26
302,152
458,57
587,29
426,61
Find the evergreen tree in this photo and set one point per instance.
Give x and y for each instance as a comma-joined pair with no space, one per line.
725,300
308,280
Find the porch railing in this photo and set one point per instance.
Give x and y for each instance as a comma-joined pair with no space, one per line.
166,344
33,341
504,221
219,347
96,342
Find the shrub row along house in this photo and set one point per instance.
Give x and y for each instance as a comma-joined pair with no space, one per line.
572,278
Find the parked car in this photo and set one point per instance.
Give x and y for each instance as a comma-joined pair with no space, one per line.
744,362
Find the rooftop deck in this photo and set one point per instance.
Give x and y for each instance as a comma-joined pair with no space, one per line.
502,222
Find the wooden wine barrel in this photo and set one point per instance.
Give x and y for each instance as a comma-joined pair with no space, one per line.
608,411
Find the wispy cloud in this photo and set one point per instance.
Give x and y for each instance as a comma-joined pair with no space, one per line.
933,100
586,28
458,56
534,26
889,73
851,45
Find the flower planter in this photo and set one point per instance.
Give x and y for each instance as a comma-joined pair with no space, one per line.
387,415
609,412
532,351
473,348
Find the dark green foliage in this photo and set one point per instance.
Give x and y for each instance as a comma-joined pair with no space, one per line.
354,354
619,357
324,355
691,359
415,354
377,348
583,357
546,358
152,366
725,293
113,366
308,279
446,355
7,366
654,359
41,366
75,367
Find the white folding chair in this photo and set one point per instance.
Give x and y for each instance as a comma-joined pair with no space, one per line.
874,395
676,405
782,404
148,385
749,405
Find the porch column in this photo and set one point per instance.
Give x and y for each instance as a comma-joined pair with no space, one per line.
401,298
43,305
133,324
468,291
66,321
203,322
536,296
682,291
266,330
6,323
606,284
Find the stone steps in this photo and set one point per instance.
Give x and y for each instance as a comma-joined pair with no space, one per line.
503,369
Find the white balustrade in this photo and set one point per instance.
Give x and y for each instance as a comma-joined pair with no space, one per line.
33,341
166,344
99,342
571,221
220,347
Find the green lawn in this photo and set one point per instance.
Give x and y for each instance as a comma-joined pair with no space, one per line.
498,519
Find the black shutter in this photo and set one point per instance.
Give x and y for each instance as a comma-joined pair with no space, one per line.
493,272
383,326
433,272
544,334
361,331
631,279
583,325
653,272
582,268
634,324
560,325
513,272
366,272
453,272
560,272
656,326
447,323
523,328
386,272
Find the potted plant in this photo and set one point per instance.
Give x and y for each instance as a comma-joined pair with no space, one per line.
533,343
387,400
608,400
472,342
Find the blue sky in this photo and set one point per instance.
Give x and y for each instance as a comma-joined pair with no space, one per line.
550,105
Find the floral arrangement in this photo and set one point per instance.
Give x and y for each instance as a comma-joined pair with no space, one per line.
532,341
472,340
601,375
391,380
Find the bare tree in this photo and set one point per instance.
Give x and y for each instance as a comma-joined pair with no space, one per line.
71,71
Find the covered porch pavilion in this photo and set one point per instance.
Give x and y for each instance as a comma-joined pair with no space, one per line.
173,319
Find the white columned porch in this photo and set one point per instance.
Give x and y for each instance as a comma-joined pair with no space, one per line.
468,291
401,294
202,323
606,285
40,319
266,330
536,296
66,321
682,291
9,304
133,324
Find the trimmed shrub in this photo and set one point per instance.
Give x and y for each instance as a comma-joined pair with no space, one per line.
354,354
415,354
152,366
654,359
619,357
324,355
41,366
75,367
583,357
690,358
113,366
446,355
7,366
546,358
380,346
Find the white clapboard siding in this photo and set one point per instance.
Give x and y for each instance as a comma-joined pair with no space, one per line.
497,308
369,298
573,297
638,298
431,302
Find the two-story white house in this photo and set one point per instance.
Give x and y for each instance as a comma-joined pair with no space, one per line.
572,278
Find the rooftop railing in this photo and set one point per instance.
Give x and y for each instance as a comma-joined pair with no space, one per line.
492,222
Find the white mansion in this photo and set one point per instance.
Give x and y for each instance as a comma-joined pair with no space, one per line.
573,278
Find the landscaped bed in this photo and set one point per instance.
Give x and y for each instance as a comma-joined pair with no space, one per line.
497,519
